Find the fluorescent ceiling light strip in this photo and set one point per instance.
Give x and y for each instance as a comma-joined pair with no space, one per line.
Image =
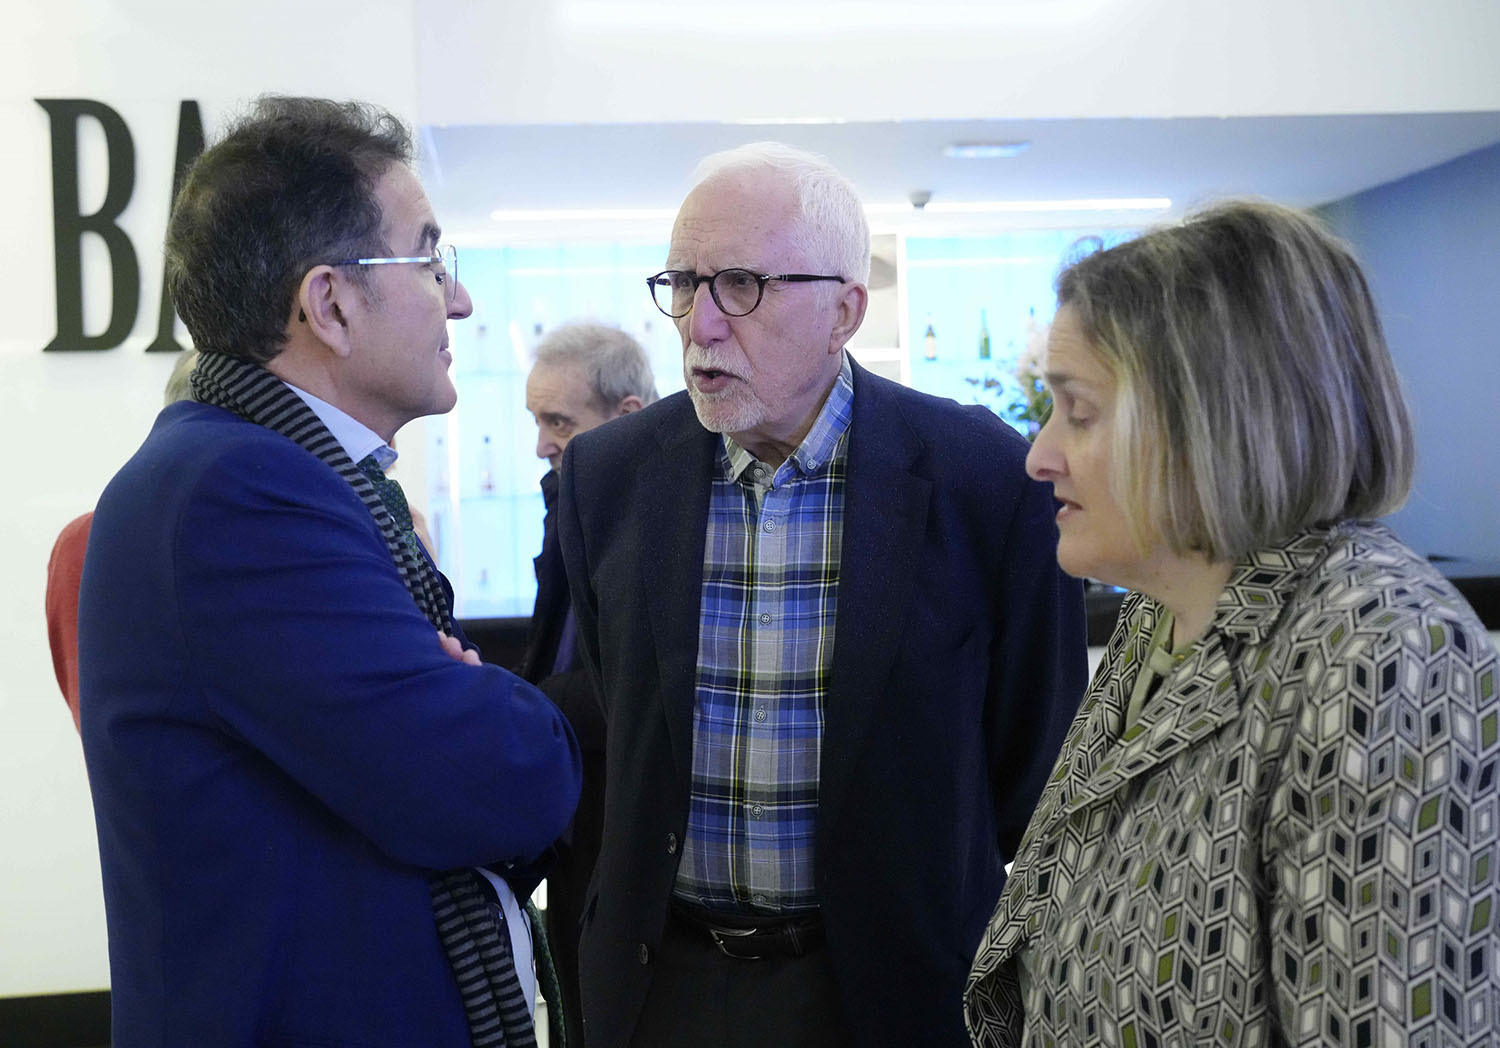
778,121
578,271
985,150
982,262
971,207
608,214
667,214
784,17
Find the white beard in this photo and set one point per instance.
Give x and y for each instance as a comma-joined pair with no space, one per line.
735,410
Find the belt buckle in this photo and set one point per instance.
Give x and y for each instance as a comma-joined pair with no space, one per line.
720,934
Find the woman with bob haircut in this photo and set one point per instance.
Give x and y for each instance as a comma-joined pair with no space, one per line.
1274,820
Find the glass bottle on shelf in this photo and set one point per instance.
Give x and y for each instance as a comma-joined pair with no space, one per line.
929,341
1032,331
439,468
486,468
984,336
538,321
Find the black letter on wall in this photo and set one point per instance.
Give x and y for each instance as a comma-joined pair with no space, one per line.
69,226
189,145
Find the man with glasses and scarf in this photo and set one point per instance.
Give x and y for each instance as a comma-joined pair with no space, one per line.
836,655
319,815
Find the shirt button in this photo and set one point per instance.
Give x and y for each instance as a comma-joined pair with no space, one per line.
760,715
755,810
769,525
757,897
671,844
765,618
643,953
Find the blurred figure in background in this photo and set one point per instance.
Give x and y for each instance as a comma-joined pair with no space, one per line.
65,567
1275,818
584,375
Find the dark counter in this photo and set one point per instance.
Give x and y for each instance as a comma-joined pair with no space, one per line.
503,640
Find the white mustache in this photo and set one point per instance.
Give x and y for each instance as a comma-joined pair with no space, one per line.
698,358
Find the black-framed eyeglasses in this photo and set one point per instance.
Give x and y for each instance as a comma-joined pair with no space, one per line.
444,260
735,291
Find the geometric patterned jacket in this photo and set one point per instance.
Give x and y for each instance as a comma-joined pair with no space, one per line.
1296,843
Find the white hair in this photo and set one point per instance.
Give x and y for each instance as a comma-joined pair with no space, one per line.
614,363
831,229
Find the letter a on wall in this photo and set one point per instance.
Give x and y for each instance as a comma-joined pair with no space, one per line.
189,145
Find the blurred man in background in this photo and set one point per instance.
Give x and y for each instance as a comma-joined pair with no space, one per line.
584,375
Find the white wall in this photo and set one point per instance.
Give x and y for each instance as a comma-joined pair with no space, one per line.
68,420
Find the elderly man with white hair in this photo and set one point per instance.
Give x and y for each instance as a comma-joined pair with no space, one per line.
836,655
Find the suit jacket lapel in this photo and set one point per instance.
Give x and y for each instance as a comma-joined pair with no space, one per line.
1096,765
885,510
674,483
1194,702
1199,696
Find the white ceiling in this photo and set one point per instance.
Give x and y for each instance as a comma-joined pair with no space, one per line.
1302,160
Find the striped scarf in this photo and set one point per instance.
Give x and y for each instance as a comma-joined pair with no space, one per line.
473,934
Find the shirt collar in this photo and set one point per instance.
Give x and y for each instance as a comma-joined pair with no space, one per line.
358,440
1264,580
820,445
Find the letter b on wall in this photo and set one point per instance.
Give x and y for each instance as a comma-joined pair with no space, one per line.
70,225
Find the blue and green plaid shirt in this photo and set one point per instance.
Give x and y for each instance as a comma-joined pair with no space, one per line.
765,647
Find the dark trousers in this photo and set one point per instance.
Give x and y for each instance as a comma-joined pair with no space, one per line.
567,890
700,998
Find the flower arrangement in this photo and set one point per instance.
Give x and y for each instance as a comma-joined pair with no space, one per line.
1034,404
1030,403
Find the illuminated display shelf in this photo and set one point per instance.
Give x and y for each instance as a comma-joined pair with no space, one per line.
477,466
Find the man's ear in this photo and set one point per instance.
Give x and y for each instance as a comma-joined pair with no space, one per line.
853,300
318,306
629,404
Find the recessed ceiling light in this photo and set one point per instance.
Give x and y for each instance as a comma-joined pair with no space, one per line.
985,150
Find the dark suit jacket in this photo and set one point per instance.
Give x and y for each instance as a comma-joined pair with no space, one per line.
958,663
279,752
573,690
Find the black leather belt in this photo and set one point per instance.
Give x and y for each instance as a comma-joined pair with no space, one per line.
757,938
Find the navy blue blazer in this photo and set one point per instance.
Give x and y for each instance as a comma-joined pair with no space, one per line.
279,752
958,662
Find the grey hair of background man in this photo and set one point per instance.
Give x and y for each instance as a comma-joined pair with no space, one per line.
178,382
1256,395
614,363
289,186
832,229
